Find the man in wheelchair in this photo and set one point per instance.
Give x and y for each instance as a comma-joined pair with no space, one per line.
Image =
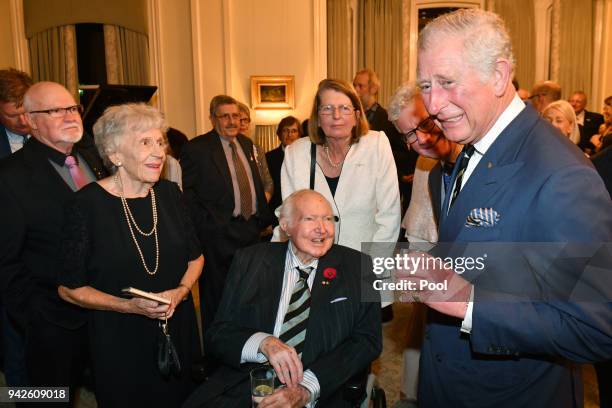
303,307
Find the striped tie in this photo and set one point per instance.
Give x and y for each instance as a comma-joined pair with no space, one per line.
293,330
468,150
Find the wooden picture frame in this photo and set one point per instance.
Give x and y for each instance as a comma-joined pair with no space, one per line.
273,92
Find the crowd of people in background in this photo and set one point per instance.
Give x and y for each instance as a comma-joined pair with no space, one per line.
138,205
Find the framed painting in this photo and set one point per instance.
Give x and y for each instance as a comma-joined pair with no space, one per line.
273,92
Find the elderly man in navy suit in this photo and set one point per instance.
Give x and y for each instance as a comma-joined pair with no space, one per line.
504,334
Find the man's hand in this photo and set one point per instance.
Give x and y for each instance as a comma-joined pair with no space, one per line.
440,288
293,397
284,360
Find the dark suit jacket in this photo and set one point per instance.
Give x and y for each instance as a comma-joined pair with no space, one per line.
33,196
207,184
603,163
524,330
592,121
5,147
342,338
275,162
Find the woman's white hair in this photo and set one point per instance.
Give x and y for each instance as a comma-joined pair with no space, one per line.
402,98
485,37
118,121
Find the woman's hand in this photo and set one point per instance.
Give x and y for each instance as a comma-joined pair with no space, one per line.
146,307
176,296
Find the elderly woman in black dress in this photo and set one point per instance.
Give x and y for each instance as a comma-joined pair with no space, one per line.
131,230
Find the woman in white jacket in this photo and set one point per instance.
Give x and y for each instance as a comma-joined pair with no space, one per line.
354,168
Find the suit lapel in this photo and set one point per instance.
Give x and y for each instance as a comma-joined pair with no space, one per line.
220,161
272,269
94,162
42,172
497,166
5,147
320,297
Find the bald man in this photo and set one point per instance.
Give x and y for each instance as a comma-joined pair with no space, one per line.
36,182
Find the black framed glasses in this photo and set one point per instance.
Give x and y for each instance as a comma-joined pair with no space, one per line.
245,121
61,112
427,125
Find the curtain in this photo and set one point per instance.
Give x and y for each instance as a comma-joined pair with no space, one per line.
576,20
265,136
520,20
379,43
127,56
53,57
340,40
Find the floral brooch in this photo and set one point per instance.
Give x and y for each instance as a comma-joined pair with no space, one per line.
329,274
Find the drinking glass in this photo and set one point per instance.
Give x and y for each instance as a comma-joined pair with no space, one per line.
262,384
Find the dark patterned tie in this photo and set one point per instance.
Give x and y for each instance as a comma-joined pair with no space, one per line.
293,330
466,153
244,188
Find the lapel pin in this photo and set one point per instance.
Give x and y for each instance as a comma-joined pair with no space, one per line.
489,165
329,274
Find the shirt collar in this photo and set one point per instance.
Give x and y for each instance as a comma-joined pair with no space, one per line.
295,261
228,140
512,111
373,108
55,156
16,136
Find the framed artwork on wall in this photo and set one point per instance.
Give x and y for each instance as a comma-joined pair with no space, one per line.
273,92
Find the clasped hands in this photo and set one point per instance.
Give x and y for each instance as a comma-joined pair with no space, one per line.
156,310
429,281
289,370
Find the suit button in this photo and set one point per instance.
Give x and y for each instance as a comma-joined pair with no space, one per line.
438,358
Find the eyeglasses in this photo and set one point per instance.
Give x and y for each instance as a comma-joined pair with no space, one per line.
245,121
228,116
61,112
427,125
328,110
287,131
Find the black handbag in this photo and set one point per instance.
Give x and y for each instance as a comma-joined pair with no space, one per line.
168,360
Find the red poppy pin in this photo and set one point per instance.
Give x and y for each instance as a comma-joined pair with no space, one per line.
329,274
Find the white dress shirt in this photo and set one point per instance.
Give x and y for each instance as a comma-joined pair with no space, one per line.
515,107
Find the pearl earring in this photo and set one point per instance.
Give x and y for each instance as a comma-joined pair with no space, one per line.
118,164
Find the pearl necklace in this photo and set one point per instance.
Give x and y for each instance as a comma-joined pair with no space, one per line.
334,165
130,220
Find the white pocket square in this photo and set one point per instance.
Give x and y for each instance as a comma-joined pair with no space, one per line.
336,300
482,217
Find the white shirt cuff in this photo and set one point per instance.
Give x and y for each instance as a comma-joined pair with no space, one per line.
311,383
250,350
466,325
